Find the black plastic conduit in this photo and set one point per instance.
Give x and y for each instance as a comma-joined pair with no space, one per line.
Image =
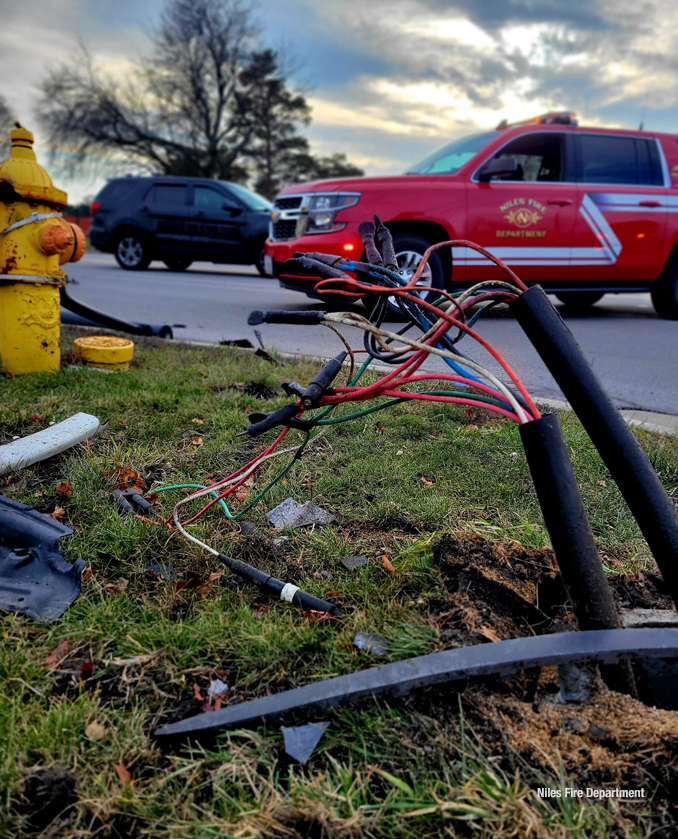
619,449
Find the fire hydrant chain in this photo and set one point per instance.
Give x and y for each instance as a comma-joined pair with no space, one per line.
32,219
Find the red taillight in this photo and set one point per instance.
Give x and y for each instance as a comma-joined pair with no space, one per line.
96,205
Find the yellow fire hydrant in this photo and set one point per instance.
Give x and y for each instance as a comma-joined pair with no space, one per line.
34,242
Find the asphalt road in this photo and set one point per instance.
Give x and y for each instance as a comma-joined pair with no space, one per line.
633,351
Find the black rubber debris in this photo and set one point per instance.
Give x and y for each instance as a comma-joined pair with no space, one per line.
34,578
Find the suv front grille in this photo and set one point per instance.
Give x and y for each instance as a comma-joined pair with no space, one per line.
288,203
284,229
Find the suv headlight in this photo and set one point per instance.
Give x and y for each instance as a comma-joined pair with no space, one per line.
322,210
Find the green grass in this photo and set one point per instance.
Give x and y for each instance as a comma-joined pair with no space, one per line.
379,771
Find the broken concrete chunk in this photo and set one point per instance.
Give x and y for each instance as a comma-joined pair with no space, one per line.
371,643
353,562
301,740
291,513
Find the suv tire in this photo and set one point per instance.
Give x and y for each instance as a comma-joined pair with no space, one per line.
664,292
580,299
258,253
132,251
178,263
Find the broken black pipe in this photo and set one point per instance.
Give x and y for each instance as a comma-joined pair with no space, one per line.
573,543
503,658
626,461
102,319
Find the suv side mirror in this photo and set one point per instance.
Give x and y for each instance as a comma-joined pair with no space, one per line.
498,167
234,211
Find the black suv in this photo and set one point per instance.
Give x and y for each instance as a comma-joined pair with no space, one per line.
179,220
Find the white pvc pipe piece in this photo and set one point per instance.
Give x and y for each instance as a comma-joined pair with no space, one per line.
43,444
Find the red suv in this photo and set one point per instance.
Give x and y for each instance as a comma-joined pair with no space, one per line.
583,211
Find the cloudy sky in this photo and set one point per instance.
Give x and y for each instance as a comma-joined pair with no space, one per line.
390,80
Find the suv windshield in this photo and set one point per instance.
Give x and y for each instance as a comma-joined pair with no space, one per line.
450,159
252,200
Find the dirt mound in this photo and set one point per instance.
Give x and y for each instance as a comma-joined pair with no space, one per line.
611,741
497,591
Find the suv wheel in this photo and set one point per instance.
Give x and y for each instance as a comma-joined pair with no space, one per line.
664,292
259,254
409,250
580,299
132,252
178,263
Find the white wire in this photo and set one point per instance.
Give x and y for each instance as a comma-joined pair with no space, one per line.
351,319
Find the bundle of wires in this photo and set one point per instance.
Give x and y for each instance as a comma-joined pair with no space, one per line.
468,382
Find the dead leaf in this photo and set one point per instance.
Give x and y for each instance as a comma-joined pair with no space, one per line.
196,692
242,493
37,418
126,478
95,731
57,655
58,513
152,497
427,482
123,423
386,564
602,484
124,775
399,452
198,421
65,488
87,573
216,575
488,633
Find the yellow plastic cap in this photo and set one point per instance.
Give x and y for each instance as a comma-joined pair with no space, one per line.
105,351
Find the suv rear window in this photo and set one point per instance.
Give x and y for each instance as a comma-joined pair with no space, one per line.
167,194
619,160
539,157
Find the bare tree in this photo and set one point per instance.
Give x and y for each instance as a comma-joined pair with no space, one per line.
207,103
182,113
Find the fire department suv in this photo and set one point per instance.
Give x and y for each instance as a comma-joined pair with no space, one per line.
583,211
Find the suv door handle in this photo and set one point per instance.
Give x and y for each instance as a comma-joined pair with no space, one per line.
560,202
649,203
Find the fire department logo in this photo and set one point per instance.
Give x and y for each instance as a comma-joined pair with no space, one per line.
523,212
523,217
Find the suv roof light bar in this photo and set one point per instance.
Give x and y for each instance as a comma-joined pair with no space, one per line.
551,118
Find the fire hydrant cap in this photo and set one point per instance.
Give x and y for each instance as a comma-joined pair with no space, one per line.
20,133
56,239
28,178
